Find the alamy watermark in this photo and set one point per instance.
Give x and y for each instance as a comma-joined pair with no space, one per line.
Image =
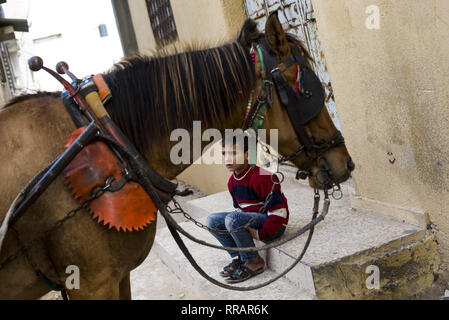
72,282
373,280
189,145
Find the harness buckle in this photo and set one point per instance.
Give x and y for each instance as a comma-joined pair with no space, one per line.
108,183
275,69
279,180
302,175
269,91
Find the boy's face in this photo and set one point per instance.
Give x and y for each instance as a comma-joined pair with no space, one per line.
234,158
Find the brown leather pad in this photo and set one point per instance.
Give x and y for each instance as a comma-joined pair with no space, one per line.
127,209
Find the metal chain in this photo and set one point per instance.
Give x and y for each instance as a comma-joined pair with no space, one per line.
178,209
96,193
336,193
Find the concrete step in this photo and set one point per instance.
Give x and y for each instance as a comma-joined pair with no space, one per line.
212,261
344,248
153,280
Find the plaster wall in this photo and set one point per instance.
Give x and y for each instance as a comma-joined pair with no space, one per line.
390,86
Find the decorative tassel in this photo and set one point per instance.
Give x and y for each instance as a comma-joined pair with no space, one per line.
248,107
253,55
299,80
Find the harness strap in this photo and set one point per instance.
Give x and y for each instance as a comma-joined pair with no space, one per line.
287,63
262,64
290,99
52,285
103,90
89,90
255,115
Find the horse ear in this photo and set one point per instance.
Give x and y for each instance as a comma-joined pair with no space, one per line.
249,33
276,37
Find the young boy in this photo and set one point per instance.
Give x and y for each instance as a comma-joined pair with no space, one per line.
249,188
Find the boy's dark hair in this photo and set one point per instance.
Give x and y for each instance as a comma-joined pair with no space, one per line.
238,138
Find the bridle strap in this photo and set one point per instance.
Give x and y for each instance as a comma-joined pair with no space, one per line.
262,63
256,115
258,110
310,101
290,99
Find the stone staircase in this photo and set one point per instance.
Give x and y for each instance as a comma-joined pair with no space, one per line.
348,250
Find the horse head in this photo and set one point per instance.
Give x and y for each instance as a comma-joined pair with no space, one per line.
307,135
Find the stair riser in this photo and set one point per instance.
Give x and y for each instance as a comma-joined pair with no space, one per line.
402,273
300,275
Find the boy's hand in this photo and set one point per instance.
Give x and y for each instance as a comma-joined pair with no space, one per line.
253,232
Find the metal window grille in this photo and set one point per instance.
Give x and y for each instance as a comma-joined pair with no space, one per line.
162,21
7,72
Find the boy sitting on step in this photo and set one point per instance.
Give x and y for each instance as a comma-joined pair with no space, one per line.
249,187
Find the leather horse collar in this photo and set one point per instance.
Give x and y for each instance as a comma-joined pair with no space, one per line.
302,105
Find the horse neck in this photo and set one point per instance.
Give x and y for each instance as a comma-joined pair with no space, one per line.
159,158
155,96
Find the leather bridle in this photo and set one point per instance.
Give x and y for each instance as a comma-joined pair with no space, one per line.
302,106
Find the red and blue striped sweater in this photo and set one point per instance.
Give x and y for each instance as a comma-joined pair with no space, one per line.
249,190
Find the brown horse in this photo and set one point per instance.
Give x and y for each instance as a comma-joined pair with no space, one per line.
151,97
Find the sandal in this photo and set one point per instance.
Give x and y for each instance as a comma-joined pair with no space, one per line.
244,273
231,268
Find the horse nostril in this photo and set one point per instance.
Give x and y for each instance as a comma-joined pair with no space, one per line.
351,166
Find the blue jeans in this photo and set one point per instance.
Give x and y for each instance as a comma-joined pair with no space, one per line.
242,239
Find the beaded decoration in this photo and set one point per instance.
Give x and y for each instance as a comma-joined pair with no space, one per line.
250,102
248,107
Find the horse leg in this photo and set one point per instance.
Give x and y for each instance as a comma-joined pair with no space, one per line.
125,288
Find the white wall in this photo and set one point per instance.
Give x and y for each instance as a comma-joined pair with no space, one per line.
64,30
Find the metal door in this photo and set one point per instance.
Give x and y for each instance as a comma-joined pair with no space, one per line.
297,17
